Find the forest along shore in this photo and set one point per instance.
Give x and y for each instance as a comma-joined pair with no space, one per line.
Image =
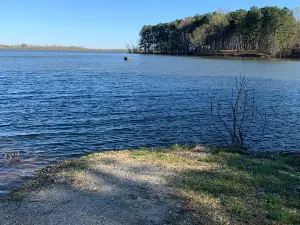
231,54
178,185
269,31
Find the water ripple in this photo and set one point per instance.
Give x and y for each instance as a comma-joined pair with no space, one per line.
59,105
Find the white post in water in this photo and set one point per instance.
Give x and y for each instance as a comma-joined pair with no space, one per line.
127,58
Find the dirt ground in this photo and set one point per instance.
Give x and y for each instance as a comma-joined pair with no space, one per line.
109,190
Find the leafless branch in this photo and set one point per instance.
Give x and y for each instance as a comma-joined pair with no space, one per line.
242,108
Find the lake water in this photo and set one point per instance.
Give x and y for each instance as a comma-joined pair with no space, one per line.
57,105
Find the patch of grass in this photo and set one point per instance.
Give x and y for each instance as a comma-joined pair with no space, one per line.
286,159
155,154
229,150
267,187
273,201
237,208
217,183
139,153
177,147
284,216
81,163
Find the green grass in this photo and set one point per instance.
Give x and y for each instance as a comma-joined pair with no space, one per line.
249,188
267,187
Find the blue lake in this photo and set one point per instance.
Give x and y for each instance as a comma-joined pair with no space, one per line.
56,105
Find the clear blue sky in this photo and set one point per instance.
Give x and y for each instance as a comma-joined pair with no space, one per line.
101,23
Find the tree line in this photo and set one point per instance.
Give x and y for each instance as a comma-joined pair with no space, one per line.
268,30
57,47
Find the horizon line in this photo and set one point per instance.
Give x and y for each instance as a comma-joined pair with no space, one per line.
54,46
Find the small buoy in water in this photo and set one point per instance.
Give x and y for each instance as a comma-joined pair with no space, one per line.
127,58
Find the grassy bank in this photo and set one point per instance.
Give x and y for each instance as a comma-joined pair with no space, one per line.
213,186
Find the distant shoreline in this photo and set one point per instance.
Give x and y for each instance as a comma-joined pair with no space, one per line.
229,54
57,48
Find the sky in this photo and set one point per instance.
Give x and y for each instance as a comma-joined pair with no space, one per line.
103,24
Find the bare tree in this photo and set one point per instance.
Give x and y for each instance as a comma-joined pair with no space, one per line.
128,47
134,47
223,11
198,37
233,117
297,13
